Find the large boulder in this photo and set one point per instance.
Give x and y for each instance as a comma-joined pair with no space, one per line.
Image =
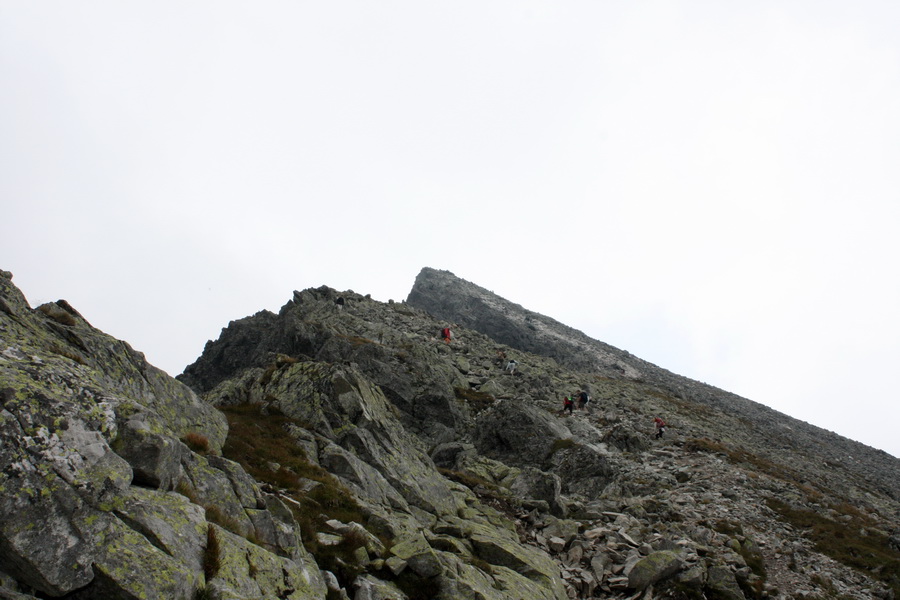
654,567
517,433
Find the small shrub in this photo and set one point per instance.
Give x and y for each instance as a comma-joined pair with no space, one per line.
705,445
729,528
478,400
58,314
196,442
187,491
204,593
211,563
356,340
215,515
266,377
481,565
70,354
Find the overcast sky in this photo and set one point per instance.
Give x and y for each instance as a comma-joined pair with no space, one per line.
712,186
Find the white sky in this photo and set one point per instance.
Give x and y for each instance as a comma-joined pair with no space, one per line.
712,186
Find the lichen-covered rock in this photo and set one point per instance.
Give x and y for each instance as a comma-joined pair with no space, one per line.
383,415
214,490
154,457
245,570
120,549
654,567
418,554
169,521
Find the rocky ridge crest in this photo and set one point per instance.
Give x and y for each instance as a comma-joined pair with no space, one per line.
365,458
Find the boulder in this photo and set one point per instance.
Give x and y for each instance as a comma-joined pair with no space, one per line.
517,433
532,483
245,570
119,549
652,568
418,555
720,581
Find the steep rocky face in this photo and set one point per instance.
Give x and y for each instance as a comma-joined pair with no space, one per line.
366,458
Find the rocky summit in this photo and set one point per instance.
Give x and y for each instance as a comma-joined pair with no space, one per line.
343,449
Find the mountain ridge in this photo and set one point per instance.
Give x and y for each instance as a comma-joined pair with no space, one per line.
446,296
340,449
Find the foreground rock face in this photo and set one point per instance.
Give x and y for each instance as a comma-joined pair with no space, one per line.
365,458
91,451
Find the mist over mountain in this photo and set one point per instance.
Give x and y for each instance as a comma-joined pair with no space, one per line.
340,448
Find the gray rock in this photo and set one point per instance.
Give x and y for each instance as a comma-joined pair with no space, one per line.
517,433
721,581
532,483
652,568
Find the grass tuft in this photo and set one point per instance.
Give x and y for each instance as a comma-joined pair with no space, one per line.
196,442
211,564
257,438
478,400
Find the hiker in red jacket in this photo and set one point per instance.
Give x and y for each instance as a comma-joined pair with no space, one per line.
660,427
445,334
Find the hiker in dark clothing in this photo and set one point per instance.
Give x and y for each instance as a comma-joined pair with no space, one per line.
582,400
568,404
339,303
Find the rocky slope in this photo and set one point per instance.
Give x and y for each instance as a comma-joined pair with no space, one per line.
818,454
345,451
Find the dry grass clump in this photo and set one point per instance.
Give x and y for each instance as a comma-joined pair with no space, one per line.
211,564
197,442
58,314
70,354
478,400
257,440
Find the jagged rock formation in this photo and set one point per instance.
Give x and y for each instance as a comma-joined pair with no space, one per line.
365,458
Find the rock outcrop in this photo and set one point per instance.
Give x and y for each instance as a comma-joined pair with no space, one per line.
343,450
102,493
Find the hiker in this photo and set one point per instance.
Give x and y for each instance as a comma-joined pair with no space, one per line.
660,427
339,303
583,399
511,367
445,334
568,404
